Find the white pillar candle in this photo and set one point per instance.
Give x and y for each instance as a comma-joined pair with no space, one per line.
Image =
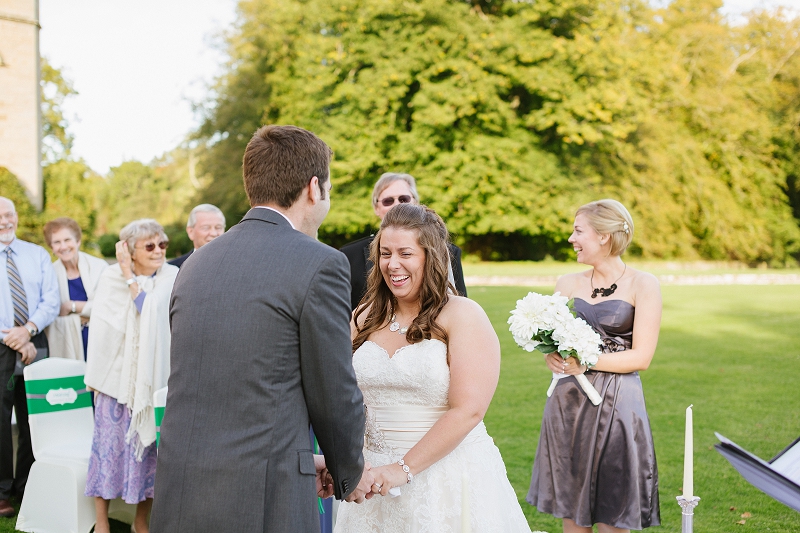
466,527
688,463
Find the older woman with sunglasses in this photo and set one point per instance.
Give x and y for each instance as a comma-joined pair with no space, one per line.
128,359
390,190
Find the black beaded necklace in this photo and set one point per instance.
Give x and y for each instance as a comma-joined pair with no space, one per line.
603,291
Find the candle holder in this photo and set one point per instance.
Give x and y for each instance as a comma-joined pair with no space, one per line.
687,512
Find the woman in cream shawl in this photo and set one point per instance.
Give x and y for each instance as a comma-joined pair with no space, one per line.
128,360
78,274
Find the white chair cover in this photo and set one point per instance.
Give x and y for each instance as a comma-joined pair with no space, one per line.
61,421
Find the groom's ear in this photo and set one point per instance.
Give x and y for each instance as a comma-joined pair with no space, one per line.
312,190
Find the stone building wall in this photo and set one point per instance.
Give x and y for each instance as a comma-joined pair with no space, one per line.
20,113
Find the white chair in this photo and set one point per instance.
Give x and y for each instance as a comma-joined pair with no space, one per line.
61,422
159,403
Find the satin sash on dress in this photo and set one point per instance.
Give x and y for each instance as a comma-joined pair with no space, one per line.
396,429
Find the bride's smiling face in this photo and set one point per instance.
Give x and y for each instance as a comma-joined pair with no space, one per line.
402,262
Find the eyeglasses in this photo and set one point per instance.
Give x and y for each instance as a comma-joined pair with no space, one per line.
150,246
389,200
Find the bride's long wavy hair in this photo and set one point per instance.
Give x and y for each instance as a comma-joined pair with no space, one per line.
379,302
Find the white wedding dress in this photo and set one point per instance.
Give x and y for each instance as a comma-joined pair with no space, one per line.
405,395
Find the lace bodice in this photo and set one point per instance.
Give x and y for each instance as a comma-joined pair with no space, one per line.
417,374
405,395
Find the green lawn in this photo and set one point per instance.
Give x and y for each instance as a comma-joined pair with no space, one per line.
556,268
732,351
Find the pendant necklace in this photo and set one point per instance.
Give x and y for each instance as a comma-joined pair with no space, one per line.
600,290
394,325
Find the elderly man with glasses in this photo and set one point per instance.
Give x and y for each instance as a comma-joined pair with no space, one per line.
206,223
390,189
29,302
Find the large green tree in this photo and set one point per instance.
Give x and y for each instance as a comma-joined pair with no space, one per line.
56,89
511,114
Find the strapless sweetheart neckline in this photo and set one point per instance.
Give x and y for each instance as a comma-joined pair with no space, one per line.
603,301
400,349
404,399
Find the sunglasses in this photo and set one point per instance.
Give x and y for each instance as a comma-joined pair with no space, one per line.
150,246
389,200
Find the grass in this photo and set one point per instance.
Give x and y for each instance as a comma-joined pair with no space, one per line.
732,351
556,268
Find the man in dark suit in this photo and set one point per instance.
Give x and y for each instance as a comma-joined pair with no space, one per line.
260,349
390,189
206,223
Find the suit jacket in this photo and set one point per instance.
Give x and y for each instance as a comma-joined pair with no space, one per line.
260,349
357,253
178,261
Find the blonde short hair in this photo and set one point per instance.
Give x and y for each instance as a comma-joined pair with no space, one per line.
609,217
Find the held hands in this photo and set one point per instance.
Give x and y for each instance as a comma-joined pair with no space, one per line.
557,365
364,489
28,353
387,477
16,337
324,478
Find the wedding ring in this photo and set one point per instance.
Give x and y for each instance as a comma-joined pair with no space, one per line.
376,485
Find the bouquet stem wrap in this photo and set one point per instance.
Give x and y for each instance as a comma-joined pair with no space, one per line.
587,387
547,324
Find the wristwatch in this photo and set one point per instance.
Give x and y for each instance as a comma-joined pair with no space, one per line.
32,331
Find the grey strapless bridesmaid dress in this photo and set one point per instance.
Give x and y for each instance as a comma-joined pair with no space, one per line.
597,464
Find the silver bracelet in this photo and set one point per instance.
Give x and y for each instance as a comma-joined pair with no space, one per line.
406,469
73,307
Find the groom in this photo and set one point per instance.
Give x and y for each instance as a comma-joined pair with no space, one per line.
260,349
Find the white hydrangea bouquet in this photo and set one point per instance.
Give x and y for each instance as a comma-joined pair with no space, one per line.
546,324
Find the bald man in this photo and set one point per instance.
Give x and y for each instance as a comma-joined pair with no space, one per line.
29,302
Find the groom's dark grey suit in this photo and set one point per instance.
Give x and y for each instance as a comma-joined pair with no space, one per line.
260,348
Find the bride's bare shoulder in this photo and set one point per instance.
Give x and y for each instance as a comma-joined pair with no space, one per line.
462,310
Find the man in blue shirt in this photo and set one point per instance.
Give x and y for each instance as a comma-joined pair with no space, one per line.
29,302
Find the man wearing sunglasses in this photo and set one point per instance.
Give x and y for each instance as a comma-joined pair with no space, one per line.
206,223
390,189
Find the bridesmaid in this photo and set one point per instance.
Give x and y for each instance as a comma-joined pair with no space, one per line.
597,464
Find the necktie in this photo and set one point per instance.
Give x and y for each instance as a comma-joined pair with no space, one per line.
18,298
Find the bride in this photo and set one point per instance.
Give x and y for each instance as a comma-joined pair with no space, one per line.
427,362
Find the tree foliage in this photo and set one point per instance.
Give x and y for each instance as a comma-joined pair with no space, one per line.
56,137
511,114
29,221
162,189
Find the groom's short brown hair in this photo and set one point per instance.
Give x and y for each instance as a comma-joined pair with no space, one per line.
279,161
